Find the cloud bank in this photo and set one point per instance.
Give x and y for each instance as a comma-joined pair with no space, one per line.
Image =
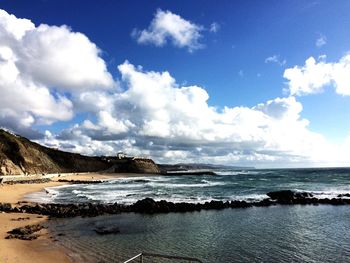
49,74
156,116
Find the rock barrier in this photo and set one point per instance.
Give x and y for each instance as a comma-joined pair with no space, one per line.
150,206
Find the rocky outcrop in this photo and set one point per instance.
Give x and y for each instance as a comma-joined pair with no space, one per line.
80,181
288,196
25,233
150,206
136,165
103,230
31,181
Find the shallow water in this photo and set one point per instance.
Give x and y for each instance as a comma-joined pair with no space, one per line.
250,185
267,234
274,234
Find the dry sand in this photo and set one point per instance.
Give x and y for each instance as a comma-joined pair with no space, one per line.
42,249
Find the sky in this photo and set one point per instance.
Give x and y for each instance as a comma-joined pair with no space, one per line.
258,83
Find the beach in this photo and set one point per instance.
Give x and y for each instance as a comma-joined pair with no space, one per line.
230,217
43,249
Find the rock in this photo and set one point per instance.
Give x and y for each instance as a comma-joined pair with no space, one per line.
25,233
80,181
103,230
6,207
278,195
265,202
344,195
20,219
289,197
239,204
214,205
22,237
30,181
147,205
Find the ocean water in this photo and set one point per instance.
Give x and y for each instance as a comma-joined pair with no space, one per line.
259,234
247,185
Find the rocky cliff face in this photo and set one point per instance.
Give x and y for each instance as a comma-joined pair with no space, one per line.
19,155
136,165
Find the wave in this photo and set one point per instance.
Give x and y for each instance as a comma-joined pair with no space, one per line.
241,172
198,188
185,185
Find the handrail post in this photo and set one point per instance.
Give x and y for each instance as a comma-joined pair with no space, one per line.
141,258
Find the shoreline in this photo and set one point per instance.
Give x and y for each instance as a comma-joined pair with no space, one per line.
43,249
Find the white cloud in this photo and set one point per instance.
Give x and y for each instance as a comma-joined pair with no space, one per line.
321,41
156,116
276,59
39,66
214,27
49,73
167,26
56,56
314,76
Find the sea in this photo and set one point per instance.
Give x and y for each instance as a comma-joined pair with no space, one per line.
282,233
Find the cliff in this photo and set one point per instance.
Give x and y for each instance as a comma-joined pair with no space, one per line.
137,165
19,155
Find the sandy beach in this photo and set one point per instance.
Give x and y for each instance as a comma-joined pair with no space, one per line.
43,249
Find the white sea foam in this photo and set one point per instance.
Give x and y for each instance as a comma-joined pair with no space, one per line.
249,197
45,196
194,189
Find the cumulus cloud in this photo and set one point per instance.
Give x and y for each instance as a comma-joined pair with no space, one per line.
276,59
321,41
314,76
167,26
41,68
48,73
156,116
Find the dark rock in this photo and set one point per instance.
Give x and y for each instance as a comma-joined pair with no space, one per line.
265,202
344,195
22,237
5,207
147,205
239,204
80,181
25,233
289,197
107,230
20,219
29,181
279,195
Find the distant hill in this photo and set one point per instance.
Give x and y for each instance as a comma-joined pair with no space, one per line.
18,155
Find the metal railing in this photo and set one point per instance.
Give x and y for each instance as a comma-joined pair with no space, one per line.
141,256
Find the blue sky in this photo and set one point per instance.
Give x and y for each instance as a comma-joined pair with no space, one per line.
241,62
